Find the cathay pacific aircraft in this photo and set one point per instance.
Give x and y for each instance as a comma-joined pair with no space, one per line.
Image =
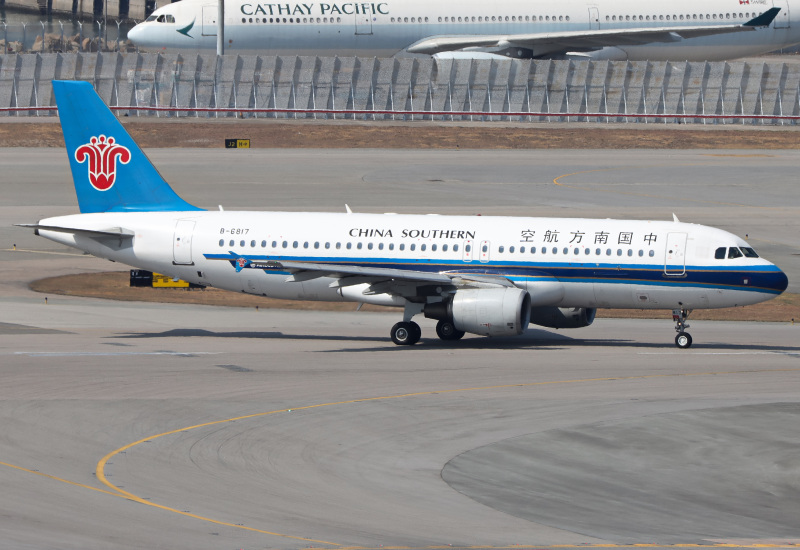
594,29
490,276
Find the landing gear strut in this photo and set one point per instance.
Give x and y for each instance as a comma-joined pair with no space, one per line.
683,340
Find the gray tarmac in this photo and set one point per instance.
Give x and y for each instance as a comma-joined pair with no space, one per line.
127,425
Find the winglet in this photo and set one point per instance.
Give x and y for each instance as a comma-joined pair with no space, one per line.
765,19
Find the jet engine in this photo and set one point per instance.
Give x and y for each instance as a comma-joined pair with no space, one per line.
488,312
563,317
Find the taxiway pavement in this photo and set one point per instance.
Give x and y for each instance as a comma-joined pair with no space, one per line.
126,425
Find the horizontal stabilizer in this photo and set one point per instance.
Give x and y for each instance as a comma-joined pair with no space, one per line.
111,233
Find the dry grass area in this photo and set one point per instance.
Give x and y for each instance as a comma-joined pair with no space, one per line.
157,133
115,286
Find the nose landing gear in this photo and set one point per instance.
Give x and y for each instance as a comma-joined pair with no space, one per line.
683,340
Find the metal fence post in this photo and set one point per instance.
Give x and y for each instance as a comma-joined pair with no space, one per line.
644,102
547,99
625,103
703,103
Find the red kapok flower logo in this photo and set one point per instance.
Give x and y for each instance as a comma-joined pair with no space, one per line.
102,154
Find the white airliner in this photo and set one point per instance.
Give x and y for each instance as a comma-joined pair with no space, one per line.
486,275
594,29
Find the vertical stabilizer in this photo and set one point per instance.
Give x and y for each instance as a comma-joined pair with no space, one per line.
110,172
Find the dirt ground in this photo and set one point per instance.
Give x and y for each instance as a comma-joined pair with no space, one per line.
115,286
158,133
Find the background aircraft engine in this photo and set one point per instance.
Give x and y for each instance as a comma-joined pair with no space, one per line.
563,317
488,312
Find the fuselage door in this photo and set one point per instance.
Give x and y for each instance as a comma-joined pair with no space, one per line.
182,243
363,22
468,245
485,251
675,259
209,20
594,18
782,20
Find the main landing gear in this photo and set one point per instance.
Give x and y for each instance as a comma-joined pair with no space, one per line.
406,333
683,340
446,330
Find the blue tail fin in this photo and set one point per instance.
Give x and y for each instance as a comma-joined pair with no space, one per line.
110,172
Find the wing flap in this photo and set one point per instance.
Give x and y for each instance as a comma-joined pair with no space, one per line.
349,275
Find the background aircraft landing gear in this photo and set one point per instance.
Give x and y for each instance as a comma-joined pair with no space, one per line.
683,340
446,330
406,333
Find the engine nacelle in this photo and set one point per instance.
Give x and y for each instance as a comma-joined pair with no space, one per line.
488,312
563,317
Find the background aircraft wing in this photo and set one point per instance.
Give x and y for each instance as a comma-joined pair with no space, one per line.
583,40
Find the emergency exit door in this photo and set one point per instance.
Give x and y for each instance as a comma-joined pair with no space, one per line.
182,243
210,20
363,23
675,260
782,20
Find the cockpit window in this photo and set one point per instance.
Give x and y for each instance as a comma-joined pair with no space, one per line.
734,252
163,18
749,252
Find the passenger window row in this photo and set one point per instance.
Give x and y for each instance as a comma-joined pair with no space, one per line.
496,18
291,20
692,17
276,245
576,251
305,245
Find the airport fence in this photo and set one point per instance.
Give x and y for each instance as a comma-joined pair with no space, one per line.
138,84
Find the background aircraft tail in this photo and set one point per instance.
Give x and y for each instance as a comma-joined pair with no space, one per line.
110,172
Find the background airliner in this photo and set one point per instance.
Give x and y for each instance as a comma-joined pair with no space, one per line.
594,29
483,275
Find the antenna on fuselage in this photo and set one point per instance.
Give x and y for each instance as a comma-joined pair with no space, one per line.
675,218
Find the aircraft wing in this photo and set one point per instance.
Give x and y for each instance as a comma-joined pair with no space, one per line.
584,40
402,282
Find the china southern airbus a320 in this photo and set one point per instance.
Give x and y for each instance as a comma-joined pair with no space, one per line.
486,275
681,30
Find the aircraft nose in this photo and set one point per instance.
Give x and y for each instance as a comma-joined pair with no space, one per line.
776,281
135,34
